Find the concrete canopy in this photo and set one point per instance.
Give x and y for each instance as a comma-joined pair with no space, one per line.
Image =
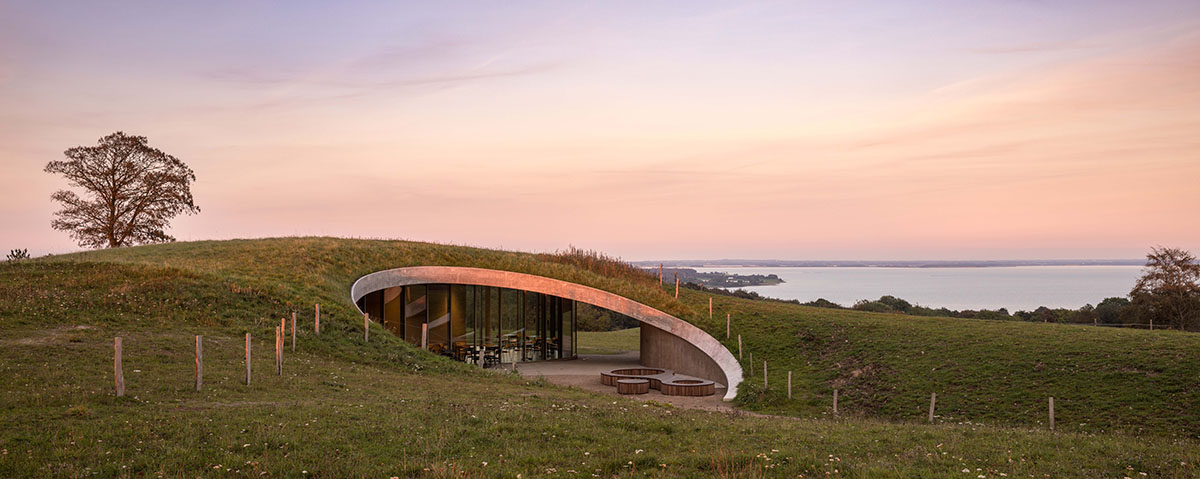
711,349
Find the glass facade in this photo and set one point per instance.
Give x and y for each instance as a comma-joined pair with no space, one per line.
478,324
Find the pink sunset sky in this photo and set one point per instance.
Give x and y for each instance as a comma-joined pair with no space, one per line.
648,130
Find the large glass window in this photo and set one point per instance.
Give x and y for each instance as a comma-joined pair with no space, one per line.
533,327
460,329
491,316
554,328
392,300
371,304
438,304
414,313
512,332
480,324
488,306
471,306
568,335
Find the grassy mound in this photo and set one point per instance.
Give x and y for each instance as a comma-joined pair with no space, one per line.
884,365
348,409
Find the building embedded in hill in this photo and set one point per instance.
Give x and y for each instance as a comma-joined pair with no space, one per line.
492,317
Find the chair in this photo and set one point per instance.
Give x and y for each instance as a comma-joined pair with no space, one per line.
460,351
491,356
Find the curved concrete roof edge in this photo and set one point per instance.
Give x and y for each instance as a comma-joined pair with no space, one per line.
540,284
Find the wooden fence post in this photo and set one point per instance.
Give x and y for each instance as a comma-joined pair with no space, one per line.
660,274
118,371
789,384
317,321
199,361
278,353
282,341
835,395
366,328
677,286
293,331
425,336
932,402
739,347
710,307
727,325
764,374
751,354
1051,413
247,359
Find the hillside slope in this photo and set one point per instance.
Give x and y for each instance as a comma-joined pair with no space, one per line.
348,409
884,365
994,372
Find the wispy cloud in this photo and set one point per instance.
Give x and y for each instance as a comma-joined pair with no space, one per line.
1037,47
353,70
433,63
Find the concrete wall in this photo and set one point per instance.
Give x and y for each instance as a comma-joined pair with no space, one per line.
714,361
661,349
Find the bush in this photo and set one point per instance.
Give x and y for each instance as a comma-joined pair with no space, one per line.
824,303
1114,311
897,304
873,306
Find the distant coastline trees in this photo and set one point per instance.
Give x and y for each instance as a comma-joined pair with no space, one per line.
1166,296
721,279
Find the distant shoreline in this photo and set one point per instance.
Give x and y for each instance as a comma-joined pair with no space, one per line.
887,264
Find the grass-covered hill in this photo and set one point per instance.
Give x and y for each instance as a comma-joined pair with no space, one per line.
993,372
348,409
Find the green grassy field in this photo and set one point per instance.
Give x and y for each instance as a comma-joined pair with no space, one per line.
609,342
382,409
990,372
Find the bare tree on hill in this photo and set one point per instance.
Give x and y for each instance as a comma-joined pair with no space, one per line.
132,191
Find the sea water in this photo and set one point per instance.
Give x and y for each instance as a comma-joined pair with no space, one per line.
1013,287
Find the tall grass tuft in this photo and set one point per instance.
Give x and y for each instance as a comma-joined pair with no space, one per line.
600,263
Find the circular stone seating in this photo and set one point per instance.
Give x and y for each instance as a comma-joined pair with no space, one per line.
664,380
633,386
688,387
654,375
